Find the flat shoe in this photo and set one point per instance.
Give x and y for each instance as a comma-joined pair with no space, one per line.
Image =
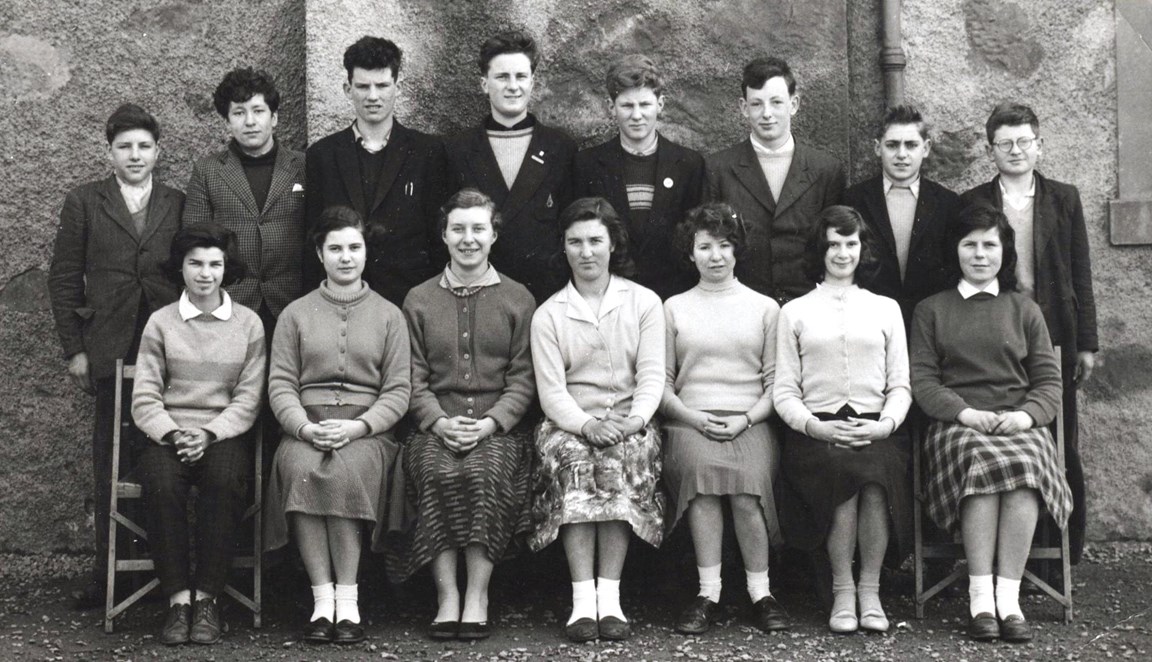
1015,629
479,630
874,620
205,627
614,629
582,630
983,627
348,632
768,615
175,630
443,629
319,631
698,617
843,622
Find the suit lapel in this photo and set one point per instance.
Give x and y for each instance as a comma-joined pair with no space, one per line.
1042,220
878,210
925,208
348,165
395,154
283,174
233,174
534,168
667,169
751,175
115,207
485,170
158,206
799,179
612,164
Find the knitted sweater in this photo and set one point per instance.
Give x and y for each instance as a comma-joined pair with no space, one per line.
332,348
202,373
471,356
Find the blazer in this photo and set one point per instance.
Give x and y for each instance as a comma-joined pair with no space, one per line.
1063,267
271,239
927,272
404,244
102,270
599,171
528,247
773,263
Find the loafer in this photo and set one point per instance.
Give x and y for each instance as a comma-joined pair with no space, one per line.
175,630
582,630
698,617
614,629
479,630
347,632
768,615
443,629
983,627
320,631
1015,629
874,620
205,622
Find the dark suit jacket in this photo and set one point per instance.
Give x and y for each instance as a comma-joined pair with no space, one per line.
101,269
405,247
1063,268
599,171
927,272
270,239
773,263
528,247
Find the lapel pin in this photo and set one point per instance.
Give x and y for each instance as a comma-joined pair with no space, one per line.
667,182
537,157
549,203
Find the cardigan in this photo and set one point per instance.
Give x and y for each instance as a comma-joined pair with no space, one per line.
471,355
841,346
334,348
588,365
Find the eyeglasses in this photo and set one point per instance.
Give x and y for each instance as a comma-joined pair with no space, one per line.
1023,143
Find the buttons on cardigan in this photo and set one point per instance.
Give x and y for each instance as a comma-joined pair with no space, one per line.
467,375
465,334
467,356
469,411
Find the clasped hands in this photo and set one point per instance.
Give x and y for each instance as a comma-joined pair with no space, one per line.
851,433
611,430
990,422
333,433
720,428
190,443
461,434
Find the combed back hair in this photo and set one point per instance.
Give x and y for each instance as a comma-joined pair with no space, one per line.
718,219
371,53
977,218
468,198
903,114
1010,113
128,117
759,71
512,41
844,221
334,218
599,209
240,85
631,72
204,235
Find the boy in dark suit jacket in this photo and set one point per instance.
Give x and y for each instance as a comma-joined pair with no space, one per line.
105,281
523,165
649,180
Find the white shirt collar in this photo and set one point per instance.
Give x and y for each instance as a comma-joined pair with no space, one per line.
787,148
1018,202
647,151
578,308
914,186
188,310
359,137
449,280
135,195
968,290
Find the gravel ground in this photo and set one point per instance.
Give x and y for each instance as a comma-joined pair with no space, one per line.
1113,601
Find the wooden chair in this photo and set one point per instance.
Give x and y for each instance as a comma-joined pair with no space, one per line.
124,489
954,550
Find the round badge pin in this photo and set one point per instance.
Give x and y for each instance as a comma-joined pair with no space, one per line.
667,182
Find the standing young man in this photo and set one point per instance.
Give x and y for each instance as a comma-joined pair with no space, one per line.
650,180
105,281
393,176
777,184
523,165
1053,266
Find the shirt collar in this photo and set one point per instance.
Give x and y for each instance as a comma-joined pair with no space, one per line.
578,308
914,186
450,281
135,195
647,151
1018,202
359,137
188,310
968,290
787,148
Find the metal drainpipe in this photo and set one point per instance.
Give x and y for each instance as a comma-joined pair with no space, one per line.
892,60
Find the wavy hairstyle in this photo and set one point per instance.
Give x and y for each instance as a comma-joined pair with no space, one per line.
468,198
204,235
718,219
599,209
845,221
977,218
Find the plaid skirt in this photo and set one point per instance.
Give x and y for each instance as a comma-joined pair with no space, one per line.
962,461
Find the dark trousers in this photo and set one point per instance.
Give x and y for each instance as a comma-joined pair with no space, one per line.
221,478
131,440
1074,469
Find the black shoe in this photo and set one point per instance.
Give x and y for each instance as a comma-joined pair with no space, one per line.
320,631
175,630
983,627
614,629
443,629
698,617
91,596
584,629
348,632
205,622
479,630
769,616
1015,629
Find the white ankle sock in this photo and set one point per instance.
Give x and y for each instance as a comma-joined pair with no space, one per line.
347,607
1008,597
608,598
583,600
323,602
710,583
981,598
843,595
757,583
180,598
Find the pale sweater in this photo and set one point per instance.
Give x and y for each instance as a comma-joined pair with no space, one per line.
720,348
841,346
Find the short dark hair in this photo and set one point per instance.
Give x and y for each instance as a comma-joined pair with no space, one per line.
845,221
370,53
599,209
467,198
976,218
718,219
127,117
240,85
903,114
204,235
512,41
1010,113
334,218
631,72
759,71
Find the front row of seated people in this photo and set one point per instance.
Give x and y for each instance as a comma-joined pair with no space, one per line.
468,353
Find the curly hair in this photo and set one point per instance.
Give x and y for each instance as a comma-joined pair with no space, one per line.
845,221
204,235
371,53
599,209
718,219
240,85
513,41
632,72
